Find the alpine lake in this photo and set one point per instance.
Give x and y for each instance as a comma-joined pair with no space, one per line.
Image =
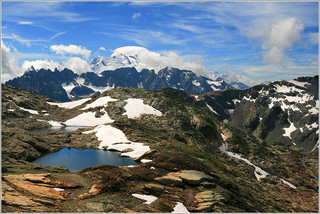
76,160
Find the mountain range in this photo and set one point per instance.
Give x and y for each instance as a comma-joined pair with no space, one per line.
127,67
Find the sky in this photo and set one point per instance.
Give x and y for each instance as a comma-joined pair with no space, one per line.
251,41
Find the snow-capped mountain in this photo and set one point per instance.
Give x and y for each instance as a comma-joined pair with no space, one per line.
129,66
279,112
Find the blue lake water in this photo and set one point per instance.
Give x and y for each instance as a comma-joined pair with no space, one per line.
63,128
76,160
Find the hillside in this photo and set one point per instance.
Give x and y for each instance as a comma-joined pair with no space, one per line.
278,113
188,158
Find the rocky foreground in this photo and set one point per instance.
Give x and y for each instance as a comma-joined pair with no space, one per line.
198,163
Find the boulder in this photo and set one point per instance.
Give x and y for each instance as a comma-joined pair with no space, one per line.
192,177
170,179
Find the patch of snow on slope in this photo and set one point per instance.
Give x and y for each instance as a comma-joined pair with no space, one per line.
230,111
287,89
100,89
289,130
101,101
89,119
147,198
223,137
312,126
211,109
28,110
115,139
70,105
135,107
196,83
55,123
180,208
249,99
80,80
259,173
301,84
288,183
235,101
68,88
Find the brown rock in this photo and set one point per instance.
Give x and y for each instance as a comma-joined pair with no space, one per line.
170,179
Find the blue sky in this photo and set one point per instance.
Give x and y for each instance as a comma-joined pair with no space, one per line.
252,41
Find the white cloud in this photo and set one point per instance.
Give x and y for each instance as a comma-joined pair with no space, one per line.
56,35
102,49
70,49
136,15
153,60
38,64
9,64
76,64
237,76
276,38
25,23
21,40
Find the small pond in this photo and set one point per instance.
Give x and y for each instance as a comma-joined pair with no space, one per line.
76,160
60,128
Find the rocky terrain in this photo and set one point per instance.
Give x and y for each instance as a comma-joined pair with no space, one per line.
195,161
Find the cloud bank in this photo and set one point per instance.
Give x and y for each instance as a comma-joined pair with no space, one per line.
71,49
9,64
281,35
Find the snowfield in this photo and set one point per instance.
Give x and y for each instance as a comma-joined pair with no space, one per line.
70,105
135,107
102,101
115,139
89,119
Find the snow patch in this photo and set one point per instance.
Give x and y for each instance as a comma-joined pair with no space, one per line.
101,101
70,105
55,123
235,101
230,111
89,119
288,183
196,83
259,173
135,107
223,137
146,160
180,208
301,84
28,110
58,189
68,88
289,130
287,89
100,89
147,198
211,109
115,139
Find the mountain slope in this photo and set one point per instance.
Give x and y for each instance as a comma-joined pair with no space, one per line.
192,158
280,112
